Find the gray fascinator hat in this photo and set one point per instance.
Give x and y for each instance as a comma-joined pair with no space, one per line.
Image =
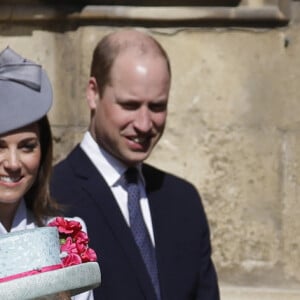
25,91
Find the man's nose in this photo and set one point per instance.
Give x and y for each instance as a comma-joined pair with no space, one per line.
143,120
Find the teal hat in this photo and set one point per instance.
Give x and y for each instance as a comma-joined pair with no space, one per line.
25,91
31,267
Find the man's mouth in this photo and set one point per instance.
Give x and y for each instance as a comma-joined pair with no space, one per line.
139,140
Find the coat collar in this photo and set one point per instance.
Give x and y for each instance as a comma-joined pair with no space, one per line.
94,185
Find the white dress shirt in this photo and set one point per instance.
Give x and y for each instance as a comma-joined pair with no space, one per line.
23,220
113,171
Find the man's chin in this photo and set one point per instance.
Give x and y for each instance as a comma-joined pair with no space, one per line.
136,158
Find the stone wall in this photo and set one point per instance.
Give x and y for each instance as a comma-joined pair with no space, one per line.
233,130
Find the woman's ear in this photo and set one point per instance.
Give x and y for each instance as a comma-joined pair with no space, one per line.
92,93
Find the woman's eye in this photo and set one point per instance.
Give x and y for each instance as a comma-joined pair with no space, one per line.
29,147
2,146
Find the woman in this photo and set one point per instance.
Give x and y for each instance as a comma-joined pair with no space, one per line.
25,146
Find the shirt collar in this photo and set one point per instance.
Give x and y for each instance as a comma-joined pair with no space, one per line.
110,168
22,220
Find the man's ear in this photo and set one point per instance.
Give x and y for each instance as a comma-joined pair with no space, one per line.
92,93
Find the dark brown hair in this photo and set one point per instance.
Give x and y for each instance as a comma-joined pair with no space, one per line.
38,198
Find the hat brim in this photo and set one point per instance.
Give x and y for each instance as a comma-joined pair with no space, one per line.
21,105
75,279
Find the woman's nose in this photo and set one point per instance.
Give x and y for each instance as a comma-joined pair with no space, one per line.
11,161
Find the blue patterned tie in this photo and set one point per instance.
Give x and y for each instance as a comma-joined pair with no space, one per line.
138,227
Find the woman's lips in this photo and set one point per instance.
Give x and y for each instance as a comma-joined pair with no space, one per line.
10,179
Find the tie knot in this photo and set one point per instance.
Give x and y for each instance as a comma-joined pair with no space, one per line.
131,175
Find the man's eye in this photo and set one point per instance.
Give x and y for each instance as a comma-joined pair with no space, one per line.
130,106
159,107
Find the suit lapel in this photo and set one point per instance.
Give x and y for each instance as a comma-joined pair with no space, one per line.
94,185
160,213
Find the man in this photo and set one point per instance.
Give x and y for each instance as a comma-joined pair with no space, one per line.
127,95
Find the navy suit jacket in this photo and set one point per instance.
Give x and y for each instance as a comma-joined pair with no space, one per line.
180,228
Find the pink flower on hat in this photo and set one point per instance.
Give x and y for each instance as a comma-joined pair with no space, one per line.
74,242
71,260
88,255
81,240
68,246
69,227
